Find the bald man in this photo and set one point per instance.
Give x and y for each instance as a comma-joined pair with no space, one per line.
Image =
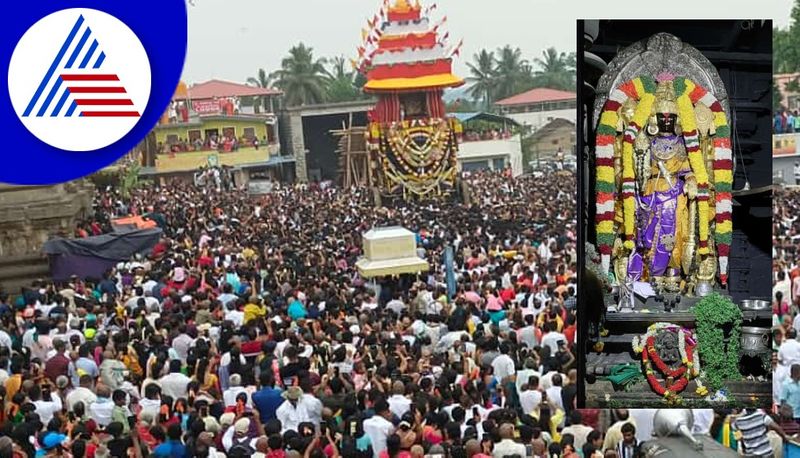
507,446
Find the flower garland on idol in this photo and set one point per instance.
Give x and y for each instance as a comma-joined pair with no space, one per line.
690,365
688,94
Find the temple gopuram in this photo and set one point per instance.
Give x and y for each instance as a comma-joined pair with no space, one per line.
411,144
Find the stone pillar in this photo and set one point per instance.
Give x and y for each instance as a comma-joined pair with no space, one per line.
298,146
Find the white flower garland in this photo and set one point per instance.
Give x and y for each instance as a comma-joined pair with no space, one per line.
639,343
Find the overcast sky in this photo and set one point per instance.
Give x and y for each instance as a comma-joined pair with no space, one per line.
231,39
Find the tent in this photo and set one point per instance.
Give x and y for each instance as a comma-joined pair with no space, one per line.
90,257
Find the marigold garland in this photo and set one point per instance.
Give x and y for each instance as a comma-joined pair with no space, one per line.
688,94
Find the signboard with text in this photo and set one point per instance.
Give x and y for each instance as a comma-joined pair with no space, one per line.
204,107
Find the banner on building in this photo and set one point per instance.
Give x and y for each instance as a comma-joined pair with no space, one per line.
204,107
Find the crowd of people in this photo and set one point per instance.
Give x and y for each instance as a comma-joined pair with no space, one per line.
786,297
247,331
786,122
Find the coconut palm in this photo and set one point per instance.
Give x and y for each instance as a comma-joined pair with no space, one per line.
555,70
513,73
341,83
301,77
260,80
482,77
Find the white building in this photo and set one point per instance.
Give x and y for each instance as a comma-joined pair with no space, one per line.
489,142
538,107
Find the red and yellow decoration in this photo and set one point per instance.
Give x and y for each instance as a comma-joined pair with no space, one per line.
688,370
408,64
688,95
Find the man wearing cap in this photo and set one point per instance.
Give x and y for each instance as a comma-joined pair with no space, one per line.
291,413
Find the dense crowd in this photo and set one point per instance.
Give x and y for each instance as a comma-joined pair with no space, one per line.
786,299
248,331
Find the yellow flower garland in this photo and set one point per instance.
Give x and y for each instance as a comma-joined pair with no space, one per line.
640,115
686,113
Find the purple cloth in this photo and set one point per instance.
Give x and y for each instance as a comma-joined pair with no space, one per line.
663,211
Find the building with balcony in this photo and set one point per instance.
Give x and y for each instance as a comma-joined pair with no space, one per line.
489,141
536,108
208,125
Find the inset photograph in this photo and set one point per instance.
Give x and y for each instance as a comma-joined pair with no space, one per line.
676,195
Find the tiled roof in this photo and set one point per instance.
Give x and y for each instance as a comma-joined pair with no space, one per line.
219,88
537,95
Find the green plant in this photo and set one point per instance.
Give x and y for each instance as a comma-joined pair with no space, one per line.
719,353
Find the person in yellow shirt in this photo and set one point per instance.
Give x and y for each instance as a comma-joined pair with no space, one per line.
254,310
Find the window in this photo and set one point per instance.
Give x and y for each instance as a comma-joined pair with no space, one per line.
194,135
249,133
172,139
475,165
229,132
499,163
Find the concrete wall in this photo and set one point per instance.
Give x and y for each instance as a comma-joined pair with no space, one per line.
538,119
182,162
510,149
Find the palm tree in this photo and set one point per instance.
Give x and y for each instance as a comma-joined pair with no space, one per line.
482,77
260,80
301,77
513,74
556,70
341,84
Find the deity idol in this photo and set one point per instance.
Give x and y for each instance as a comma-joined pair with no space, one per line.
660,164
666,197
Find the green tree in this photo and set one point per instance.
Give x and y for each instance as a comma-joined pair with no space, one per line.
786,54
482,77
555,70
301,77
341,83
260,80
513,73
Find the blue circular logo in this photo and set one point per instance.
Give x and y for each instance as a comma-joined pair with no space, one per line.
87,81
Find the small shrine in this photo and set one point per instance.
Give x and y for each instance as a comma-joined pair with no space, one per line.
407,61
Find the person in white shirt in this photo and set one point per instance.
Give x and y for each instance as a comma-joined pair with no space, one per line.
175,384
554,392
234,389
47,404
523,375
503,365
552,337
379,428
291,413
578,430
100,410
507,446
702,421
83,394
151,402
398,402
182,343
530,398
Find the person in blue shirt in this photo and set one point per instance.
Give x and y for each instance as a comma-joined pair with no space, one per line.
790,391
268,398
173,447
297,310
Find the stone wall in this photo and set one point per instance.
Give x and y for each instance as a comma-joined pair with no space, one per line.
29,216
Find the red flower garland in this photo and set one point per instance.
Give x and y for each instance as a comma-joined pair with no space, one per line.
680,373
